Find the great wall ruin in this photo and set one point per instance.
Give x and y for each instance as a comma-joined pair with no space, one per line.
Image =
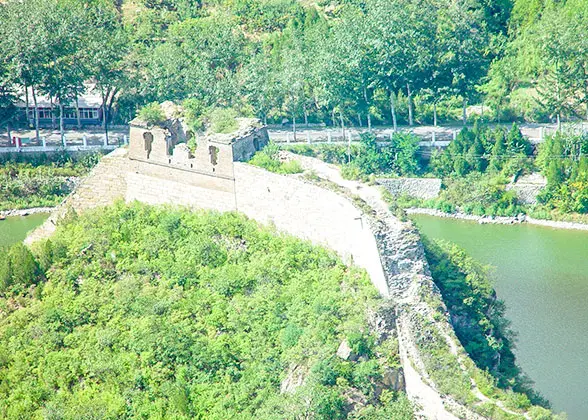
159,168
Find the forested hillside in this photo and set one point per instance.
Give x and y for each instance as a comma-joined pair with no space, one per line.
339,62
138,312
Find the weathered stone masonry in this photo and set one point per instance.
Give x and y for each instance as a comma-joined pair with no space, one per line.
293,206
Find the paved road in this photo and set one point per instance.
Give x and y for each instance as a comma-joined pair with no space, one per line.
535,132
73,137
284,134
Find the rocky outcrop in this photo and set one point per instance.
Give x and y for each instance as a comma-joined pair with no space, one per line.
295,378
344,352
25,212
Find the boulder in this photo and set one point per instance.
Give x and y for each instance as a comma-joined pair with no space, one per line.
393,379
344,352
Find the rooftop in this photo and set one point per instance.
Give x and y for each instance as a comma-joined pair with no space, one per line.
89,99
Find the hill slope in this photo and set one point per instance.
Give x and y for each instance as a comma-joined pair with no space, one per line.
158,313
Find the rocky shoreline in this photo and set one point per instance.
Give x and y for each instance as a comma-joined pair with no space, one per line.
499,220
25,212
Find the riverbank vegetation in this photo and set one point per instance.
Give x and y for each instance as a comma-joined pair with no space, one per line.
134,311
481,165
477,317
477,170
41,180
337,62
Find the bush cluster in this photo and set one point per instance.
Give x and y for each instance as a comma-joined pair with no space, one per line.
268,159
564,162
152,114
159,313
43,181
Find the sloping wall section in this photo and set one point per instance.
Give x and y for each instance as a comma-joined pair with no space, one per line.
310,212
292,205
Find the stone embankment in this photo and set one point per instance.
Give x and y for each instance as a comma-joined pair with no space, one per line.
423,188
26,212
499,220
528,187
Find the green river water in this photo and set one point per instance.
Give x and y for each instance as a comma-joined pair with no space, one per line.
542,276
15,229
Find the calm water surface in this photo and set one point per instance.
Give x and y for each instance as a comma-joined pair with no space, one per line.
15,229
542,275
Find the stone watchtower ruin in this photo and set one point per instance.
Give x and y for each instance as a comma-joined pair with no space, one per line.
173,144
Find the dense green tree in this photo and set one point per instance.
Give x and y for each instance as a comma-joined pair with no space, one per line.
517,143
404,37
498,149
8,98
18,270
23,45
463,36
546,54
199,59
351,62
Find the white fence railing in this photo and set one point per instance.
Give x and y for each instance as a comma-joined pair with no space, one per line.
77,145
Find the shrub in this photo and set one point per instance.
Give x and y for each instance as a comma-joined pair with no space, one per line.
263,160
185,315
327,404
152,114
365,374
352,171
268,159
517,401
361,344
223,120
194,110
290,167
18,269
326,371
41,181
